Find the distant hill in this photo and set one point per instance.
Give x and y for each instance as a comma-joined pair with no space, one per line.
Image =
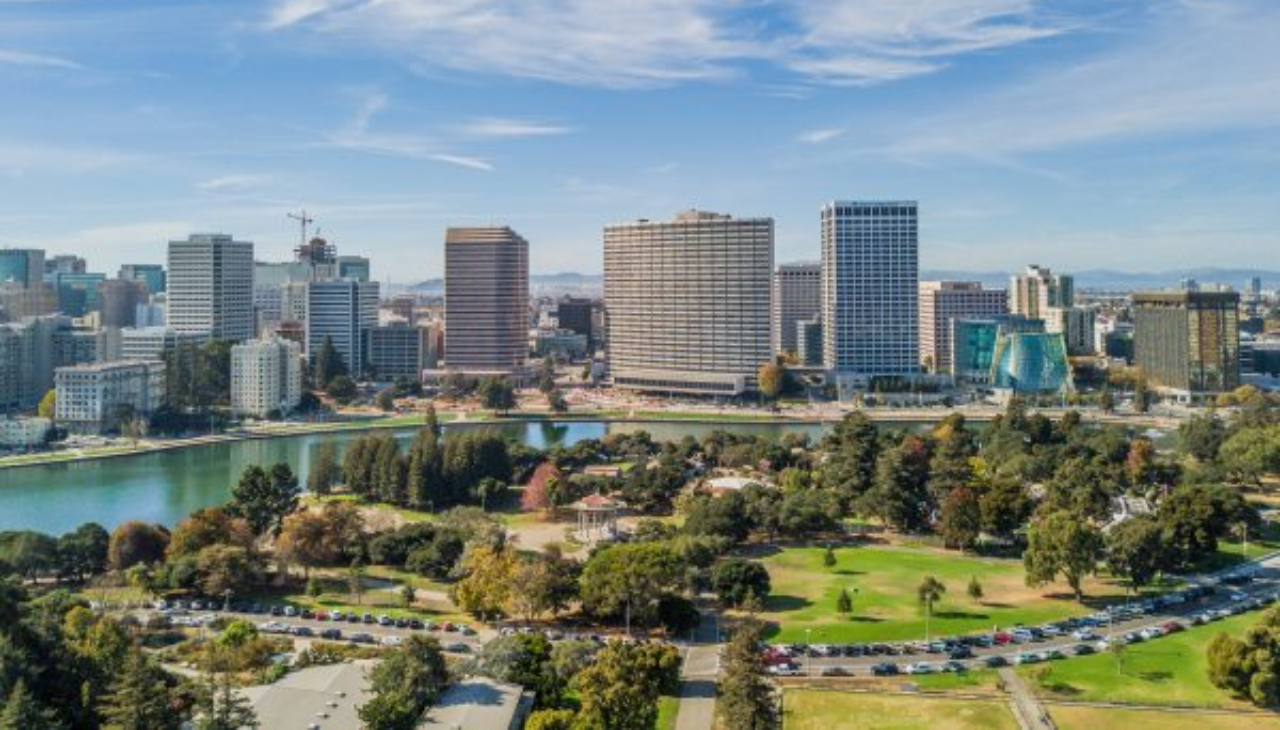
1106,279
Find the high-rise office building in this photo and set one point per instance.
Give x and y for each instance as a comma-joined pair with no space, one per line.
343,310
486,300
266,377
65,264
150,274
576,314
77,293
870,307
687,302
944,302
119,300
809,342
354,267
23,266
211,286
18,301
1188,341
1075,324
797,297
397,351
1036,290
151,343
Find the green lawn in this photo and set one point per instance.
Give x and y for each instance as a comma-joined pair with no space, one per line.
1171,670
1231,552
668,708
1097,718
886,607
828,710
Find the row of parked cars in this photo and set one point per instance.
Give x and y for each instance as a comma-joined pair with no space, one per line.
180,607
1086,630
359,637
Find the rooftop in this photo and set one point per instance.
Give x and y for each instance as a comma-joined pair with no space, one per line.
324,697
476,702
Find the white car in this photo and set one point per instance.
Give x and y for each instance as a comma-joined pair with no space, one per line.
784,670
920,668
1083,634
392,640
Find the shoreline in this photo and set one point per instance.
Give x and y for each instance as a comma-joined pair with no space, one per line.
613,415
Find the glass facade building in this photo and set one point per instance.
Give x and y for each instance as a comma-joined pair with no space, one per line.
1033,363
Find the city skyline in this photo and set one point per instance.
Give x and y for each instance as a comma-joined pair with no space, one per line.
1128,137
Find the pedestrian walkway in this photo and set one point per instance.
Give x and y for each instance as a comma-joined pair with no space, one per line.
698,679
1031,715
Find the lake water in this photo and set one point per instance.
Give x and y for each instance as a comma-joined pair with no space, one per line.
165,487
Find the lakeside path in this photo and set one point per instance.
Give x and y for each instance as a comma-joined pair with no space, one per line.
648,413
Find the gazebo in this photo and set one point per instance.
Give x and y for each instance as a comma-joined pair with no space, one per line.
597,517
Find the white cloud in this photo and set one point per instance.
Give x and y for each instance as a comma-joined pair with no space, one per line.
652,42
495,127
357,136
22,58
230,183
23,158
821,136
1196,67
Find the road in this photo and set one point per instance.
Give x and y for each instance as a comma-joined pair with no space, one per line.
1266,580
698,677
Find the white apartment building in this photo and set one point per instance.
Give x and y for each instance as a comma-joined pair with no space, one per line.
870,300
688,303
943,302
266,376
1076,324
98,398
210,286
1036,290
797,297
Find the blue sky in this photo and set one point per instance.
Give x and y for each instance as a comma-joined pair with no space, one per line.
1130,134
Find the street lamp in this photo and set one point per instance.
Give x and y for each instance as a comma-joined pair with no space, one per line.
808,654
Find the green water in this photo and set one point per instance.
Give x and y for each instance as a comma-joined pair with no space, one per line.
167,486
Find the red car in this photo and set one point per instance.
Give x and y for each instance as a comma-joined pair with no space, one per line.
1002,637
1172,627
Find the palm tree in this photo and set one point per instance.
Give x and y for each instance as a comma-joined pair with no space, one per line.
929,592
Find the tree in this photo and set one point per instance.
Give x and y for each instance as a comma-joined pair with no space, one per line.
551,720
486,589
1201,437
424,473
620,689
1061,544
325,472
829,558
208,526
404,684
328,364
136,542
48,407
1106,399
961,519
1252,453
1004,506
23,710
385,399
929,592
220,706
83,551
355,579
342,389
627,580
900,495
1135,550
138,698
226,568
975,588
771,377
1140,462
264,499
547,376
27,553
1194,518
844,602
1249,667
305,539
556,402
497,394
1142,396
737,581
723,516
852,450
746,699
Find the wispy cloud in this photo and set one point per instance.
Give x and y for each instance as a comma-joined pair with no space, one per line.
654,42
496,127
821,136
231,183
23,58
356,135
1197,67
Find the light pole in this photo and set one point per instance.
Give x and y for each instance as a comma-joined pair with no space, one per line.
852,604
808,654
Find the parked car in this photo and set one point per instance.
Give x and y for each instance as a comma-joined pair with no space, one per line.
835,672
331,634
784,670
884,669
995,661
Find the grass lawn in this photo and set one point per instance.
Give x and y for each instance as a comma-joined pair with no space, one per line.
1096,718
668,708
826,710
1230,552
885,606
1171,670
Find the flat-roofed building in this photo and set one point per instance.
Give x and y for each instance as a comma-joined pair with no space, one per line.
688,303
99,398
797,297
944,302
266,377
486,300
397,351
1188,341
211,286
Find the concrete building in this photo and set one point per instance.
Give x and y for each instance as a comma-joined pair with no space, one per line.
688,303
151,343
486,300
1076,325
558,343
266,377
354,267
77,293
1188,341
119,301
24,433
99,398
1033,292
809,342
152,275
797,297
480,703
29,353
19,302
870,293
397,350
944,302
326,696
210,287
65,264
344,310
577,315
23,266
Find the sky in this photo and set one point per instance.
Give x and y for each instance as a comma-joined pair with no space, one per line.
1127,134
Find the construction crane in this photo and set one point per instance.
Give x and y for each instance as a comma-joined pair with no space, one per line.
303,222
